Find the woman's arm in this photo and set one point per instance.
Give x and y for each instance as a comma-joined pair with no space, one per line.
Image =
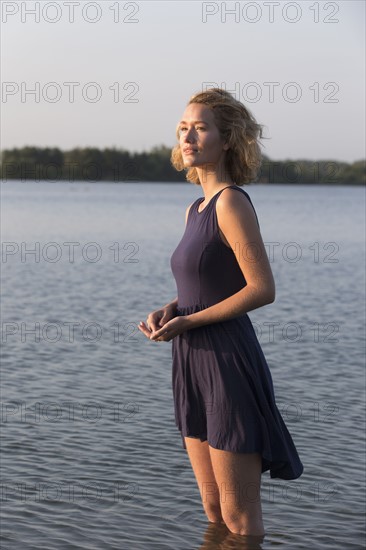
237,221
173,303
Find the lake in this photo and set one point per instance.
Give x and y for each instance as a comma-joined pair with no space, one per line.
91,456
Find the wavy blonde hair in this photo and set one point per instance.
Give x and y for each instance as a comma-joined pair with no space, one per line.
237,127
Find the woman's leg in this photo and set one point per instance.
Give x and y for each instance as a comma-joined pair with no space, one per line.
238,476
199,457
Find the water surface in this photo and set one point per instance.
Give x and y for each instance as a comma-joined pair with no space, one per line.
91,457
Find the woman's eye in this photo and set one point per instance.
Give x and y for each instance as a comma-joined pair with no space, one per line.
197,127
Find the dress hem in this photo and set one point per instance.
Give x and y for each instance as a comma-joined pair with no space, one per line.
267,463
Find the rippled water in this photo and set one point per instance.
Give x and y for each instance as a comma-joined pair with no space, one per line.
91,457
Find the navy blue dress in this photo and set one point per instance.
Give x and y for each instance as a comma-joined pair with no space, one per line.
222,385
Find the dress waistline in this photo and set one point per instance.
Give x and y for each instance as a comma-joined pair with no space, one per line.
187,310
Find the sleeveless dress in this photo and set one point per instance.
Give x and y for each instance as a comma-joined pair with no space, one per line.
222,385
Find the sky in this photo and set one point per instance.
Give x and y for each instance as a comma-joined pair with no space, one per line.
119,74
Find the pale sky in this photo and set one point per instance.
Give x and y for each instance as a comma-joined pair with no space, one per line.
157,54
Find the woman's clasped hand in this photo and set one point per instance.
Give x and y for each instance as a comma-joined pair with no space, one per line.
163,325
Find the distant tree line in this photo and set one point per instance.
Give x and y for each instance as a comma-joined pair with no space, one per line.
118,165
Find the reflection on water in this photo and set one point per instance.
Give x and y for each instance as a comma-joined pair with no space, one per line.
218,536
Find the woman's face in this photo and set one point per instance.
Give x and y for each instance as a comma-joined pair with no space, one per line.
199,138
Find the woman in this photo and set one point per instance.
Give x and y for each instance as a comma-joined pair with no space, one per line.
223,392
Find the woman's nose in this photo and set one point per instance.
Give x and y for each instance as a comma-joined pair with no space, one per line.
189,137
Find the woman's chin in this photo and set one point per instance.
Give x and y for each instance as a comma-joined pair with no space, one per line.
191,163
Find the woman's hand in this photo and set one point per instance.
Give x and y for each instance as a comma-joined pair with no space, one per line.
158,318
171,328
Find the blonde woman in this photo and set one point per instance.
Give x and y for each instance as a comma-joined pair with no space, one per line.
223,392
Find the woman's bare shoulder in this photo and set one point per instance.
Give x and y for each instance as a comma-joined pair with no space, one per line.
239,203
